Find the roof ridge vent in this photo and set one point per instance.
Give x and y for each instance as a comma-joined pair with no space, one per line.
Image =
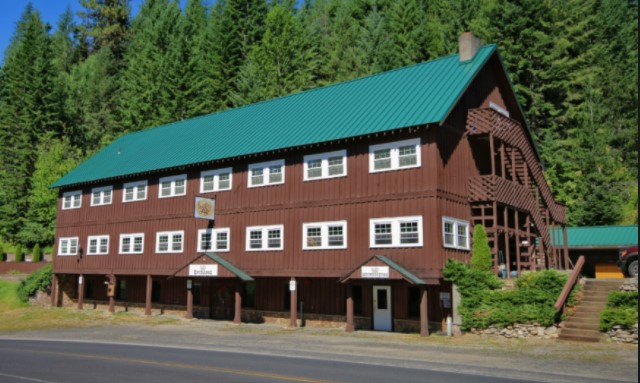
468,46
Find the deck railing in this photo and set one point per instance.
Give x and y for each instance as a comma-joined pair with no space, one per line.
566,290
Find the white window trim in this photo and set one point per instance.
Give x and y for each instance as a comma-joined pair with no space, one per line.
324,235
170,234
68,239
136,185
395,231
394,146
72,194
98,238
455,223
324,157
132,237
172,180
265,239
102,191
265,173
216,179
213,233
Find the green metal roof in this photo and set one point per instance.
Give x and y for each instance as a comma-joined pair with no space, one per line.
415,95
227,265
405,273
599,236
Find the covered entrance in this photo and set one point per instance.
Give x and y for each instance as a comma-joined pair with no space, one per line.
382,274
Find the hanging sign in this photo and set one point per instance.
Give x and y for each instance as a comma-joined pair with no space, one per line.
203,270
381,272
205,208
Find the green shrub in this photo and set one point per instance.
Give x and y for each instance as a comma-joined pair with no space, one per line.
19,254
38,280
481,258
621,310
1,252
36,255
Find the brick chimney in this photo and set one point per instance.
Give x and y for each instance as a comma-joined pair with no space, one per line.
468,46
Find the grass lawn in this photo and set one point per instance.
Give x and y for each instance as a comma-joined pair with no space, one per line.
18,316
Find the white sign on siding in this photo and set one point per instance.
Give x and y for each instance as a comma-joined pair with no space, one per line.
381,272
203,270
205,208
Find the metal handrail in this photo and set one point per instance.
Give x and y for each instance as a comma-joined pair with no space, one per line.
566,290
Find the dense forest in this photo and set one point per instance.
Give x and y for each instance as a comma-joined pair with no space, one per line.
68,90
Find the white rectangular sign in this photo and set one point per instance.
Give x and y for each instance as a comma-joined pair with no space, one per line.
374,272
203,270
205,208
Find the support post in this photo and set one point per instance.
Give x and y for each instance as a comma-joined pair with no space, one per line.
189,314
350,325
493,154
293,288
518,242
496,261
424,319
503,166
507,252
54,291
565,247
112,295
80,291
147,301
237,312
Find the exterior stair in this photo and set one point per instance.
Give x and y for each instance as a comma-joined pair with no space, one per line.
583,325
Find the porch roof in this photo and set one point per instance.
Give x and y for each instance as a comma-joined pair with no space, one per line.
403,273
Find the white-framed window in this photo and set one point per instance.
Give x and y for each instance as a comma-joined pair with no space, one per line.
396,232
216,180
68,246
394,155
455,233
72,199
131,243
324,235
266,173
134,191
169,241
98,245
265,238
101,196
325,165
172,186
213,240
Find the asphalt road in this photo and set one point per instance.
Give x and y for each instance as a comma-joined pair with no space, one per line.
69,362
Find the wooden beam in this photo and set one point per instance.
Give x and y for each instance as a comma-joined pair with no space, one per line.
424,319
518,242
293,317
493,154
54,291
237,312
189,314
350,325
507,252
147,301
81,284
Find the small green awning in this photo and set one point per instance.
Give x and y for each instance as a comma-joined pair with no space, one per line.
395,271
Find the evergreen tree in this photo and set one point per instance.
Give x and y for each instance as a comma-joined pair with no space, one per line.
36,254
28,110
405,25
105,24
481,258
19,254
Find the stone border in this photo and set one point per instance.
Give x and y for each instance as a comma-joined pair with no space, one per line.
520,331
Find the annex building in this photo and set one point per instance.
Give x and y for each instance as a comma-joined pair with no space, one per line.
341,203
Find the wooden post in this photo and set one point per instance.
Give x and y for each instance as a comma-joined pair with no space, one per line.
112,296
493,154
237,313
147,302
54,291
507,253
496,261
350,325
293,288
513,165
565,247
502,161
424,319
530,247
189,314
518,241
80,291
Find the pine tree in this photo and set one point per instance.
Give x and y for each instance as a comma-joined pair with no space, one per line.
36,254
105,24
481,258
405,25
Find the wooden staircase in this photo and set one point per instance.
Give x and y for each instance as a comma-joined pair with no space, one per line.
583,325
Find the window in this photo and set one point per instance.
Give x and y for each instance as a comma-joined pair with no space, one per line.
396,232
266,173
169,242
394,155
72,199
172,186
324,235
213,240
98,244
134,191
455,233
101,196
264,238
215,180
325,165
131,243
68,246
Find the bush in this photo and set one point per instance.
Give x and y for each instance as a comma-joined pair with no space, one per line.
481,258
36,254
621,310
19,253
38,280
1,253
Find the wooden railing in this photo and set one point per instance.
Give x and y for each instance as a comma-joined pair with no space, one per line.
566,290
